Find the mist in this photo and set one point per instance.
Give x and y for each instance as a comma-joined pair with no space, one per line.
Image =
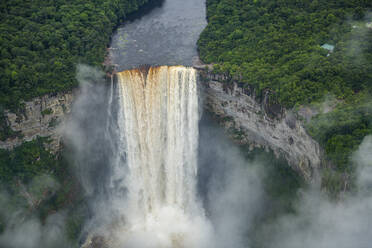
230,185
230,189
90,144
322,222
22,209
83,133
23,226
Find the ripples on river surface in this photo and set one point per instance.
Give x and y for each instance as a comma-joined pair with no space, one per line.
167,35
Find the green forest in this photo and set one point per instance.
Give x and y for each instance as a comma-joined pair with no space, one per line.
41,43
34,182
315,54
277,45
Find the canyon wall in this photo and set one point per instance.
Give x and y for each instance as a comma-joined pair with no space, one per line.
259,123
247,120
40,117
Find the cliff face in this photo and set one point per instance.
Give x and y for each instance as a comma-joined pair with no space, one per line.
261,124
40,117
247,120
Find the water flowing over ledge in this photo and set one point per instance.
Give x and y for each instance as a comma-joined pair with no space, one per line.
159,121
158,137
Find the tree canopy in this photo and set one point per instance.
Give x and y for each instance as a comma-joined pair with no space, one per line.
277,45
41,41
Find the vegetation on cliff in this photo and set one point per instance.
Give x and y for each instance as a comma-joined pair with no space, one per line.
36,183
42,41
278,45
340,132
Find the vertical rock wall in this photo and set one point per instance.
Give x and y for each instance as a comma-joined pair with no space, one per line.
261,124
40,117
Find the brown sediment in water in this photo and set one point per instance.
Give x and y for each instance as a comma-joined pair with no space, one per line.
158,120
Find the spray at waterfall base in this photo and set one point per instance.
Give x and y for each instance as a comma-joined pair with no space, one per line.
233,196
153,178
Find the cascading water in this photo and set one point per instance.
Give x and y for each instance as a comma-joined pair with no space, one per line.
158,136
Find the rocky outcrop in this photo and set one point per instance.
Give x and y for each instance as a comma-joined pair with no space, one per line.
95,242
260,123
40,117
248,120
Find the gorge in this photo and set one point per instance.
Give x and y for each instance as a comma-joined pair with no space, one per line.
160,150
146,155
156,162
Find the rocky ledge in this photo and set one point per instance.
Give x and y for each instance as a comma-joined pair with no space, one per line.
40,117
259,123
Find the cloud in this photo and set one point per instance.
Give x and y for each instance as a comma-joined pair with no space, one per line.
91,137
322,223
83,136
23,229
230,185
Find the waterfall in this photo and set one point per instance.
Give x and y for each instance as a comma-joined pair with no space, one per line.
158,136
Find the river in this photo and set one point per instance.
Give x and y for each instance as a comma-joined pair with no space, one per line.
167,35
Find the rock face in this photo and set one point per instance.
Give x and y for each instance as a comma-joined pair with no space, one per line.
261,124
95,242
248,121
41,117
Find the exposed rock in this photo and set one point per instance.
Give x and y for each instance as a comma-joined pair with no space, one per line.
272,109
261,124
198,64
40,117
257,123
96,242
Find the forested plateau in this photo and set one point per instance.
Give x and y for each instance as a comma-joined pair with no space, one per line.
269,45
41,43
313,56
